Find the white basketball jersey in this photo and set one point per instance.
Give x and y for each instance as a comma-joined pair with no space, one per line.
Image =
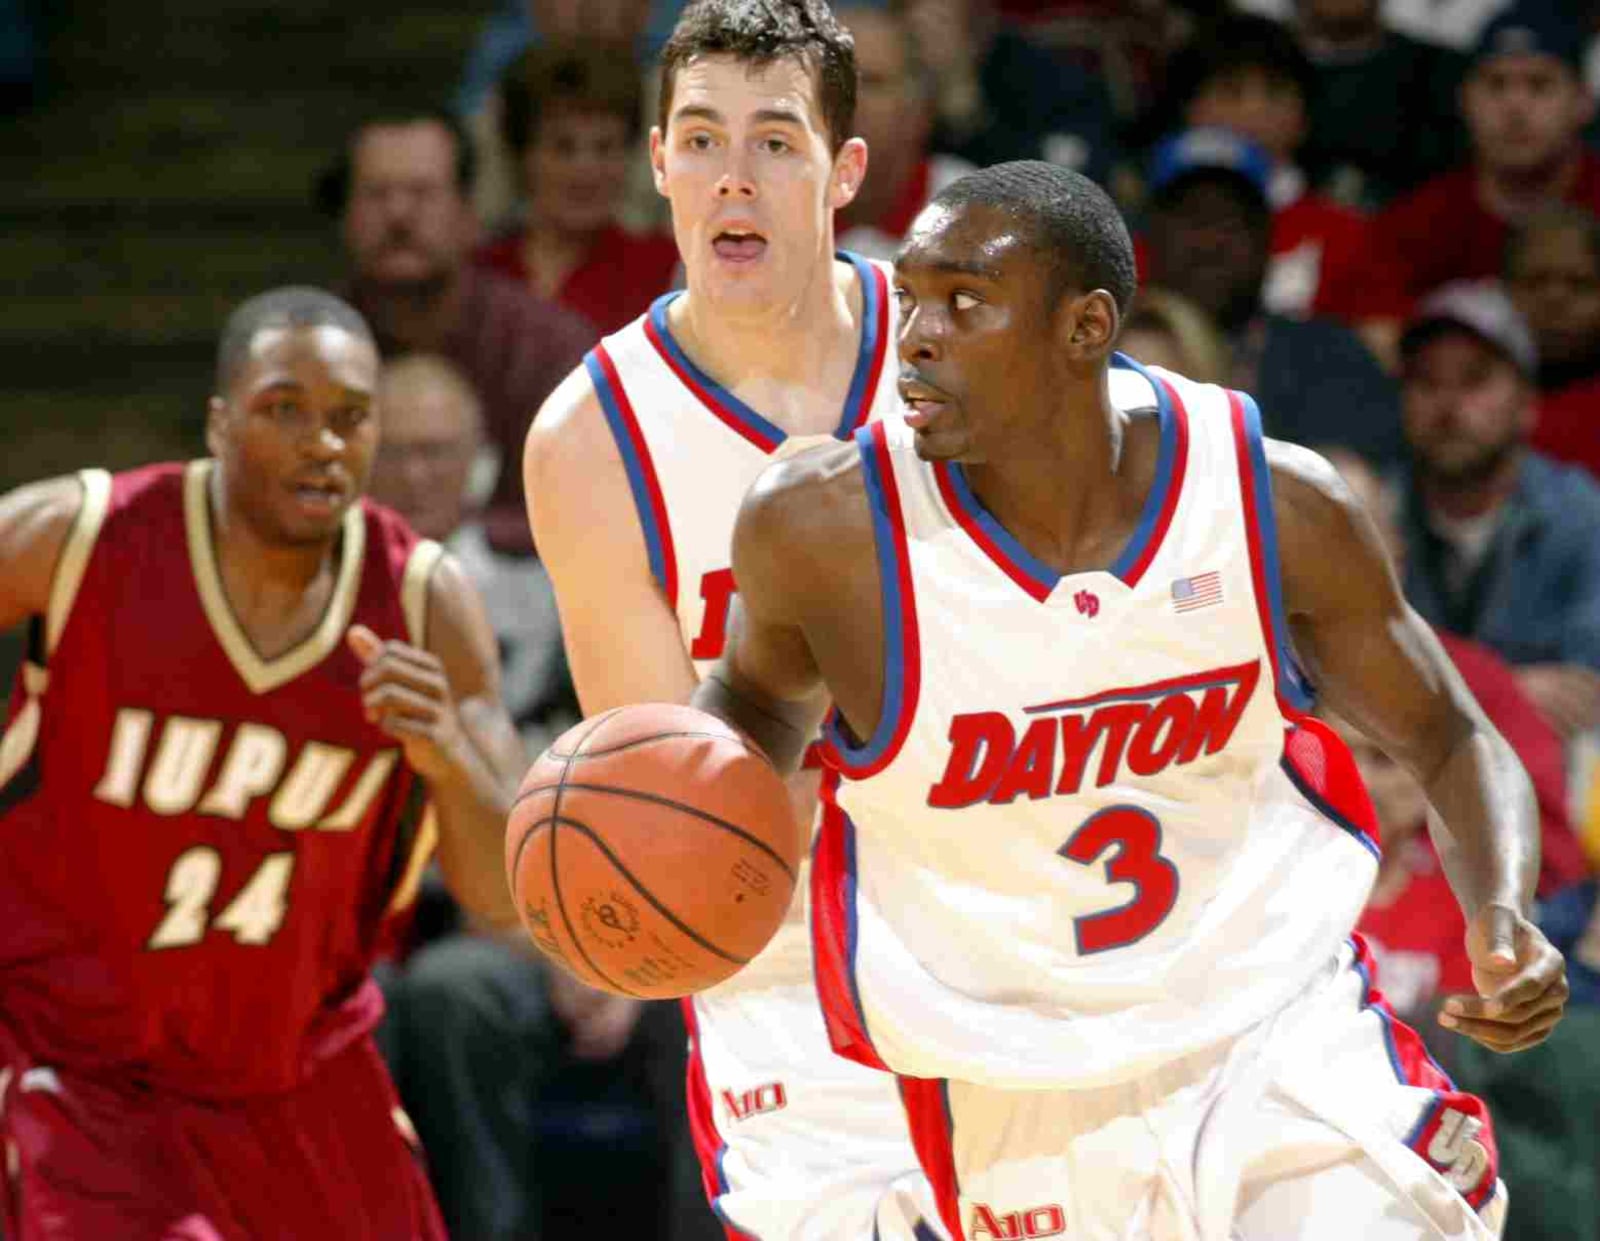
692,450
1093,830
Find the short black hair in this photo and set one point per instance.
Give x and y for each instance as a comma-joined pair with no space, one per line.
1230,45
292,306
759,32
592,77
1068,220
331,191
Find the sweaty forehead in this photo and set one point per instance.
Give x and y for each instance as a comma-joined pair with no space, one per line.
736,89
963,237
310,355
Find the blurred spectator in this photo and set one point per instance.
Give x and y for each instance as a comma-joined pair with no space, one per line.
1441,23
894,113
1170,331
999,97
1247,74
19,58
433,468
570,117
1525,106
400,192
1208,240
1494,684
1553,275
1500,542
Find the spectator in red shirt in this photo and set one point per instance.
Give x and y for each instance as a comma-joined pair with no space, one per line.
1525,105
570,118
400,192
894,113
1553,275
1248,74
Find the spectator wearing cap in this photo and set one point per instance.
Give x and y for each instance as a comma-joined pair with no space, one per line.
894,113
570,117
1553,275
399,190
1208,240
1247,74
1500,541
1525,107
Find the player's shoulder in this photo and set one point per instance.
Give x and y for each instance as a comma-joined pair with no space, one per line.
569,431
814,494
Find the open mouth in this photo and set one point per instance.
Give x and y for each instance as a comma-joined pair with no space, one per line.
319,497
921,403
739,245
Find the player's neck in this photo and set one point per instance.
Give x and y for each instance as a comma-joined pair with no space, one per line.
1512,193
1072,492
792,362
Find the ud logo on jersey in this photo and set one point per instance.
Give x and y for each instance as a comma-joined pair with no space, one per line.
768,1097
256,764
1146,728
1048,1220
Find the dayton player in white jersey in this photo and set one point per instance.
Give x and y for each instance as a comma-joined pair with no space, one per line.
636,468
1088,874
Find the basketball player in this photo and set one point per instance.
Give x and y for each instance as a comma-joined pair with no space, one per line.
1089,879
635,470
249,698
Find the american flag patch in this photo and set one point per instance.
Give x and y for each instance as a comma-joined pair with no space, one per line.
1199,591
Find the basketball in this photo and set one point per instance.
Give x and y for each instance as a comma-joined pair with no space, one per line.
652,851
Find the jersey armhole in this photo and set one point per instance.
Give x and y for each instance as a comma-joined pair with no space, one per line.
424,558
74,559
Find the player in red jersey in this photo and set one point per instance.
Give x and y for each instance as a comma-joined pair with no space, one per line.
250,703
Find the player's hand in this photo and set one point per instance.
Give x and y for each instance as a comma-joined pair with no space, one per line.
598,1023
1521,981
405,692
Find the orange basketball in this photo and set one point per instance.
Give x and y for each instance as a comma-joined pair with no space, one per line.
652,851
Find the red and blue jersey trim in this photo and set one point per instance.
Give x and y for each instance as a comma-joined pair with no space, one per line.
709,1147
1321,767
744,420
1414,1066
642,481
834,929
1261,527
902,659
1032,574
927,1107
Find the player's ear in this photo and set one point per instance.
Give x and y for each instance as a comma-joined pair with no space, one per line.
216,422
849,170
1089,325
658,159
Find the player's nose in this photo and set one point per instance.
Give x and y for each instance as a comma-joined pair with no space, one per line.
736,181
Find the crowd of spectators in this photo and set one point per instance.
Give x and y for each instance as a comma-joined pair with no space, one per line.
1381,219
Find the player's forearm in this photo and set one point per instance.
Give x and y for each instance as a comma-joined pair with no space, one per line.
1487,824
472,805
781,729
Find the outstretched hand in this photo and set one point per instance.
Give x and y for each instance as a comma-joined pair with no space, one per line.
1521,981
405,692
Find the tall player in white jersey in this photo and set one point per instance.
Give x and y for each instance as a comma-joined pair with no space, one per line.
635,470
1089,880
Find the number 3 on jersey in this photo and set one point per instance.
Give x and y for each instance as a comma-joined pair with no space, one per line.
254,915
1135,834
716,588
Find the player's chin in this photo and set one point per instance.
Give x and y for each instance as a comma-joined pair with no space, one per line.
299,524
942,443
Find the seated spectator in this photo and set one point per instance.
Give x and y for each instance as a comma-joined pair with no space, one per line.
1170,331
1500,541
1365,73
1494,684
1553,275
894,114
1525,106
570,117
1247,74
432,467
999,97
400,192
1208,240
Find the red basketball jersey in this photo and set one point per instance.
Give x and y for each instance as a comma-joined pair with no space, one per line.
199,847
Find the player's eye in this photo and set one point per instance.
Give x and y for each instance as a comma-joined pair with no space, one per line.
904,300
963,301
774,146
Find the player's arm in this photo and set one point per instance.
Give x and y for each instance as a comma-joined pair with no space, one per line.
799,523
622,638
442,704
1376,663
35,520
